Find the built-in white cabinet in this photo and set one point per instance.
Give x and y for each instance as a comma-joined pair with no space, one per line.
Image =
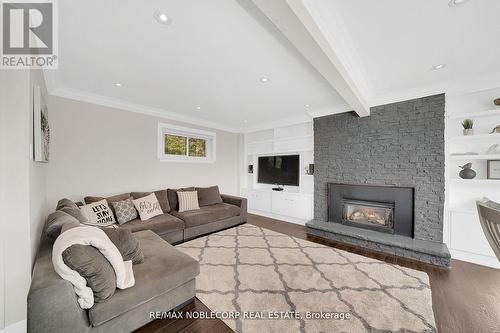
288,206
259,200
295,204
462,230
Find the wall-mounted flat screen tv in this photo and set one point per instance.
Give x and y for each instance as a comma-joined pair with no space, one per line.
280,169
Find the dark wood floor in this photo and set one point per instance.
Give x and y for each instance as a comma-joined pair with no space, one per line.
465,297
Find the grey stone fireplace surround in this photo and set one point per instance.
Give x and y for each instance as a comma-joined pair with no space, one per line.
398,145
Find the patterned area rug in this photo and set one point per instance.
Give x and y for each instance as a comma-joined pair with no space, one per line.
276,283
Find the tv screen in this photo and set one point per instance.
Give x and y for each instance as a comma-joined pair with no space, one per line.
282,170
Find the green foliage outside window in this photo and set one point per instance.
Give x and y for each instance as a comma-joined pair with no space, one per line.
197,147
175,145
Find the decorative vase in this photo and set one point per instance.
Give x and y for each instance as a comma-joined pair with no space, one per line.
467,172
468,131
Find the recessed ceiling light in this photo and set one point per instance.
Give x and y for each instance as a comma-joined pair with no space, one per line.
117,84
264,79
161,18
438,67
454,3
198,108
245,121
306,106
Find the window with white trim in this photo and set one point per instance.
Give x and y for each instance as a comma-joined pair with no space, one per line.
177,143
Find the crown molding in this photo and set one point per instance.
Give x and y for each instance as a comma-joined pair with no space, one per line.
450,88
82,96
277,123
330,110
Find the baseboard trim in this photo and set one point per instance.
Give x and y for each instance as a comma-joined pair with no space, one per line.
19,327
278,217
477,259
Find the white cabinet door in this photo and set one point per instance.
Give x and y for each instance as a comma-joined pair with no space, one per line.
292,205
259,200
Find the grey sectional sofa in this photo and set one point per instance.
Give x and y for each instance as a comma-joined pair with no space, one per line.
164,281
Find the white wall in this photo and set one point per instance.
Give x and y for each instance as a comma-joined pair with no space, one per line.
37,174
97,150
23,195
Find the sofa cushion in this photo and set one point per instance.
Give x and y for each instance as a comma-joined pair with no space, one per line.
126,242
164,268
161,224
124,211
208,195
69,207
55,222
94,268
161,195
208,214
114,198
172,196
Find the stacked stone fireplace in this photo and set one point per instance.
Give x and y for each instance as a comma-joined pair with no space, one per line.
379,180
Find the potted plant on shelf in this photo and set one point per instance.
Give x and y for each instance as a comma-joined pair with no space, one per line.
467,124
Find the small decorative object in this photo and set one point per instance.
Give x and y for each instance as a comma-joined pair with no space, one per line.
493,169
278,188
495,130
250,168
467,172
494,149
467,124
497,101
41,128
310,169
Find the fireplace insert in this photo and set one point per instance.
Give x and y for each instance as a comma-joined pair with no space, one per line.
380,208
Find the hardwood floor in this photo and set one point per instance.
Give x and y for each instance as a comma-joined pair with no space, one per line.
465,297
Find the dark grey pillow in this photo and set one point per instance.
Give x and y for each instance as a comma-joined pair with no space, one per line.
56,221
72,209
127,244
208,195
161,195
94,267
172,196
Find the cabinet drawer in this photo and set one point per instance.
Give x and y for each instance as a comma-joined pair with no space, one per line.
292,205
259,200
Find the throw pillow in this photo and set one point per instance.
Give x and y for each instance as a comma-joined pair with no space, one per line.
126,243
161,195
55,223
208,195
98,214
172,196
124,211
114,198
94,267
188,201
148,207
69,207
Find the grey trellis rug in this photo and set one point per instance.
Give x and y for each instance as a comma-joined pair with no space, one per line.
274,280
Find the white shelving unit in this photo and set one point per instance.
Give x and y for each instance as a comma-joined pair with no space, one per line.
462,231
295,203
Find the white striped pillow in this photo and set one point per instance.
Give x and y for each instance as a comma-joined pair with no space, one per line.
188,200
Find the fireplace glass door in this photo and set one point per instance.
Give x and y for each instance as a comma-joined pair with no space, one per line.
374,215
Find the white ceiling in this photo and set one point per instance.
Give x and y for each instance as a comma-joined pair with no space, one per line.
214,52
211,55
397,42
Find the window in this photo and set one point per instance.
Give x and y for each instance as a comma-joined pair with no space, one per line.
176,143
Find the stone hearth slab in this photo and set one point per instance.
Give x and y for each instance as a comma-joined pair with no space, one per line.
425,251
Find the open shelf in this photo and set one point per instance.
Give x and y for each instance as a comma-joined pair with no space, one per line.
488,113
476,137
476,181
475,157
